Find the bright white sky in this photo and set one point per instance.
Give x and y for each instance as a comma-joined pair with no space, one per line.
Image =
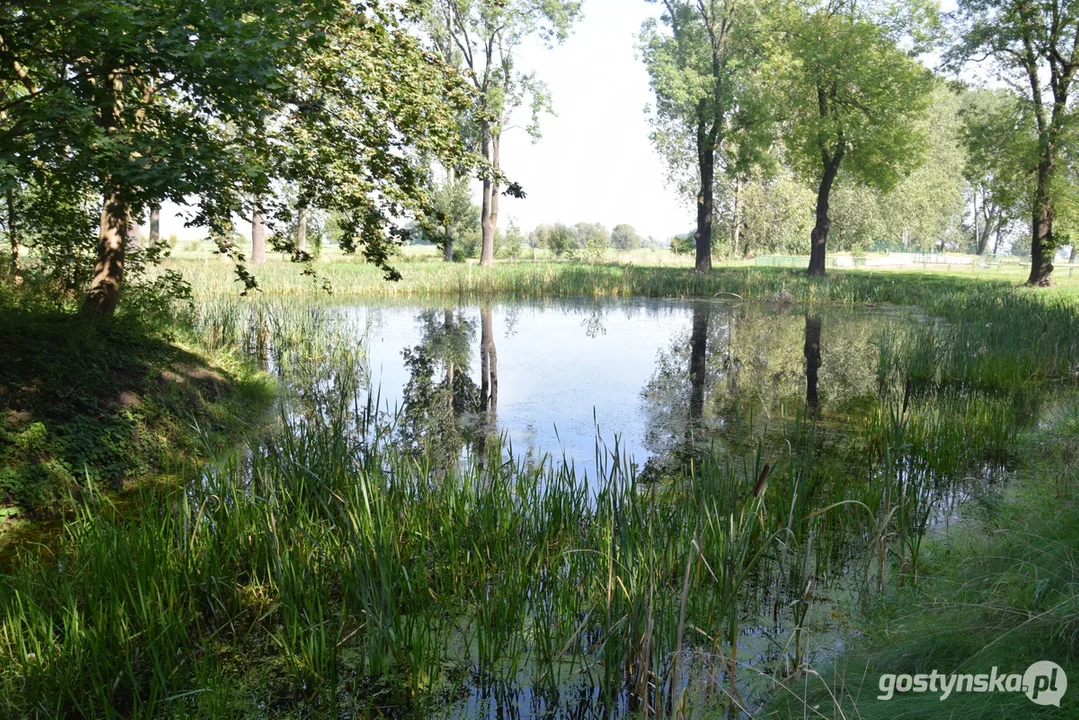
594,162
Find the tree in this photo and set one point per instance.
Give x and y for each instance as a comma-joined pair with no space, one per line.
451,213
152,100
1034,46
697,73
592,235
854,98
1001,144
560,238
625,237
925,209
539,237
486,35
774,214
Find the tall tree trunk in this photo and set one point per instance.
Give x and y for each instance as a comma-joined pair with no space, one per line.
706,163
698,356
490,227
977,235
447,245
155,224
981,237
1042,247
813,363
736,224
489,211
104,292
448,228
134,231
258,234
13,236
301,228
1072,258
819,237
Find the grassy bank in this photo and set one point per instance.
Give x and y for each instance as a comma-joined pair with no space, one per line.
526,279
106,404
1001,589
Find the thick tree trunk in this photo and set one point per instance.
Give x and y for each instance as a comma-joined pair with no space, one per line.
13,236
447,245
301,228
819,237
258,235
698,356
1042,247
489,211
1071,259
706,162
449,230
104,292
813,363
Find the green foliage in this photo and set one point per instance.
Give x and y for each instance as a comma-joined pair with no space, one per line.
591,235
560,239
775,213
625,237
1034,48
852,93
1000,137
701,59
159,100
451,213
683,244
508,245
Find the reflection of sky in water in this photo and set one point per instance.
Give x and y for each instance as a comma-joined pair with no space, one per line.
566,364
557,362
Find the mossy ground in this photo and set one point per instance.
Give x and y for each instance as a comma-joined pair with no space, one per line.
107,403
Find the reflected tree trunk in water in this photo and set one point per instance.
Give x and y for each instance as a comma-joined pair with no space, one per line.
813,363
450,327
698,351
730,362
488,363
262,346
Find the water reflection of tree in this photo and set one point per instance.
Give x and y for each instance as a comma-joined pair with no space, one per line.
676,398
743,371
813,363
443,409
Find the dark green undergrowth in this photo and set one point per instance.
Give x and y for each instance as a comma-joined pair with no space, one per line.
1002,590
107,402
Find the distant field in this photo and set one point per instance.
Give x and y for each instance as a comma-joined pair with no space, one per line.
655,273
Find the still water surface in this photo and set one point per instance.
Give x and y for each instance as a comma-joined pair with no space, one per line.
554,377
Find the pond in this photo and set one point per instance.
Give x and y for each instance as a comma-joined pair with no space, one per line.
562,378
